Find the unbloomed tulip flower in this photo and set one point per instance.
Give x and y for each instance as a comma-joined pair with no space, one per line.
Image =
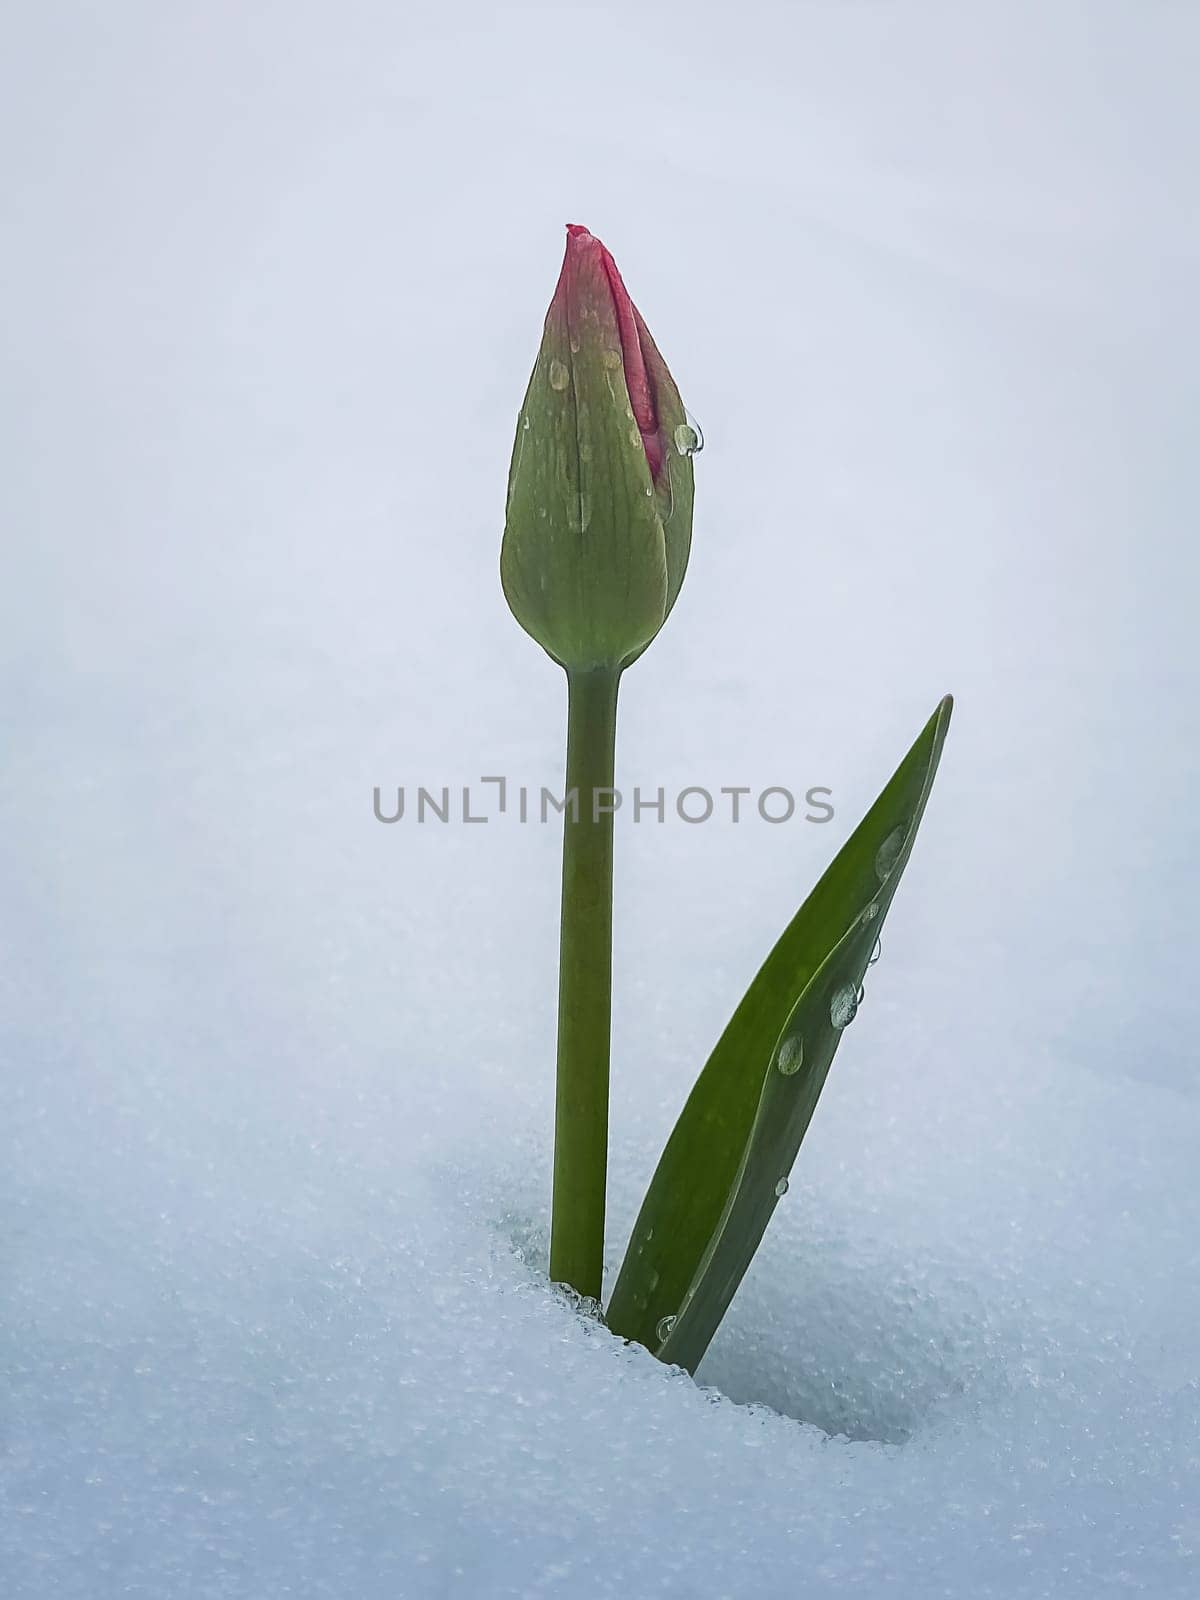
599,517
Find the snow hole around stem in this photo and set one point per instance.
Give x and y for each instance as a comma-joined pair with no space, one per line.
836,1332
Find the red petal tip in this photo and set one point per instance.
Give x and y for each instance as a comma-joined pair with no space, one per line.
641,396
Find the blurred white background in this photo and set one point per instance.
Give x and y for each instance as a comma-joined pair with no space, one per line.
278,1080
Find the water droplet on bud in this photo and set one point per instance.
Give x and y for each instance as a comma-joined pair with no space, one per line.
687,440
559,376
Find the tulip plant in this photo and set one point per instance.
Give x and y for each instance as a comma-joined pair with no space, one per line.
597,534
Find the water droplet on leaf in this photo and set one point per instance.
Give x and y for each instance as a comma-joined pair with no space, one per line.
888,853
876,953
611,359
843,1007
870,912
791,1055
665,1324
687,440
559,376
781,1188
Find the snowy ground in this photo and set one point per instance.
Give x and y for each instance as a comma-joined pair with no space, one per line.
277,1079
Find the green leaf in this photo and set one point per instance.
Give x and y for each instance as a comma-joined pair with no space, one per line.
724,1166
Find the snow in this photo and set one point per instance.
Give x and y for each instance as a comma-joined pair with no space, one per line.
277,1079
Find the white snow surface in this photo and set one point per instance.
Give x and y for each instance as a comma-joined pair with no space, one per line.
277,1080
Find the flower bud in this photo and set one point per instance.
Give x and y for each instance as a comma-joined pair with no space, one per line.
599,517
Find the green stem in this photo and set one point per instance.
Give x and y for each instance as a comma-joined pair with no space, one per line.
584,986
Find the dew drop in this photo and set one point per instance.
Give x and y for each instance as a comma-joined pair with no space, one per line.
665,1324
843,1007
611,359
888,854
574,345
781,1188
791,1055
687,441
697,433
870,912
559,376
876,953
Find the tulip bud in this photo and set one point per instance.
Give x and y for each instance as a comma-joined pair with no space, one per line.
599,516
